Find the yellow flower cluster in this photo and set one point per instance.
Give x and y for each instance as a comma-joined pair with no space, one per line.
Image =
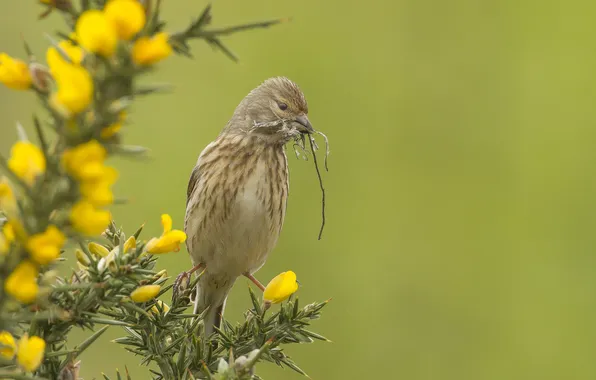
169,241
85,163
27,162
74,83
99,32
280,288
29,352
107,259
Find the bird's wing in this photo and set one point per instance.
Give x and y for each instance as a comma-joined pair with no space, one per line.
195,176
193,187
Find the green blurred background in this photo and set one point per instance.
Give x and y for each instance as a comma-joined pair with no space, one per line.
460,241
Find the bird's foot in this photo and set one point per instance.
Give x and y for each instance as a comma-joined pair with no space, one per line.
255,281
182,282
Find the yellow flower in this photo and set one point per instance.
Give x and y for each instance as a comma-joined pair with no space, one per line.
9,346
169,241
89,220
31,352
22,282
82,257
98,249
55,59
149,50
14,73
96,34
8,202
85,162
26,161
98,192
127,17
281,287
164,306
6,238
75,89
145,293
45,247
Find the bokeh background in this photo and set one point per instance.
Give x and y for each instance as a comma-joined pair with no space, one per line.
460,241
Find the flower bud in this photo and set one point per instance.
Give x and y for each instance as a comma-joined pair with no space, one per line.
280,287
145,293
98,250
111,262
82,257
130,244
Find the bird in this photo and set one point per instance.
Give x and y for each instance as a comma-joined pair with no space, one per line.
238,190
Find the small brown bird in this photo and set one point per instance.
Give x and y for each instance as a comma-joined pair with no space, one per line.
238,190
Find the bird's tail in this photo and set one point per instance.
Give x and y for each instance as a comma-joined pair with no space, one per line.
215,300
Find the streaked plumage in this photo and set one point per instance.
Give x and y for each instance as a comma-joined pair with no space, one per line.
237,193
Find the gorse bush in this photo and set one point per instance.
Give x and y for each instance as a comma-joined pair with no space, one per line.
55,198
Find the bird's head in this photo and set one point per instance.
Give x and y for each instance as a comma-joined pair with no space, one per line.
276,110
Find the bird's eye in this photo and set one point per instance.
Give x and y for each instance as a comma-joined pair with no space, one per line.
282,106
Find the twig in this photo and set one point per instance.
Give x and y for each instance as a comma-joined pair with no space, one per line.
314,156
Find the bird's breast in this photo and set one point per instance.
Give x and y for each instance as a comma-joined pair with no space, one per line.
241,209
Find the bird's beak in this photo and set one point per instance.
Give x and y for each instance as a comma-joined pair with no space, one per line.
304,122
